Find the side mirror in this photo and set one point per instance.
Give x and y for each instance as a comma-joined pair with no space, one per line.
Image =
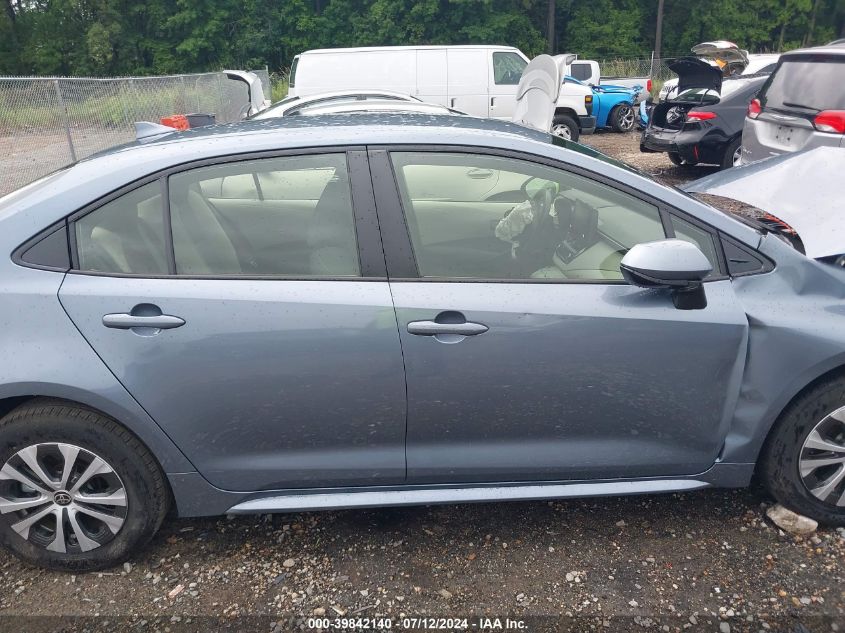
673,264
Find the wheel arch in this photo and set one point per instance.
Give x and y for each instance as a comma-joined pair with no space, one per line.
742,448
133,418
566,112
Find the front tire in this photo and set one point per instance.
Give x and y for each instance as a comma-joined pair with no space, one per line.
565,127
803,461
78,492
622,118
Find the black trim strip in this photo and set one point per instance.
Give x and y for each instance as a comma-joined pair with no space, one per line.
168,227
370,251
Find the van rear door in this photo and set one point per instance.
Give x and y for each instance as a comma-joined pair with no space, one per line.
467,80
431,75
505,70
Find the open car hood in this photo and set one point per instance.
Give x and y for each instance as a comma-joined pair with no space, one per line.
722,50
537,93
696,73
802,189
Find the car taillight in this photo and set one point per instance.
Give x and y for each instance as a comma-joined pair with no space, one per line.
648,85
754,109
830,121
697,115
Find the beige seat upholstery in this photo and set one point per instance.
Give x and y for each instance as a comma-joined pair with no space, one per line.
126,236
200,242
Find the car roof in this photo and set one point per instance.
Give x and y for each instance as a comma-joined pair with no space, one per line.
835,49
370,49
373,105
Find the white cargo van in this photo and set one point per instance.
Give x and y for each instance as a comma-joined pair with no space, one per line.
478,80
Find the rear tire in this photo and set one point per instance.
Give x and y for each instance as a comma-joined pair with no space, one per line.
94,513
622,118
796,468
731,154
565,127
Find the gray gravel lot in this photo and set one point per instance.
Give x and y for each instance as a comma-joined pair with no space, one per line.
705,561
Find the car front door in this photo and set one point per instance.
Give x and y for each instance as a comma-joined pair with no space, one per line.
537,361
505,71
236,304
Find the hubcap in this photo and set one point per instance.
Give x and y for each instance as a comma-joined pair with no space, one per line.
737,156
822,462
62,498
562,131
627,119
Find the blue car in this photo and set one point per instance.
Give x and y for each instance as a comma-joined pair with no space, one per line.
613,106
348,311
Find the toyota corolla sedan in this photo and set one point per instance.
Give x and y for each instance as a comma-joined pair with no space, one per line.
372,310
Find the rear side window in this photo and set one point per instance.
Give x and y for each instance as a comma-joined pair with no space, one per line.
277,216
507,68
807,84
125,235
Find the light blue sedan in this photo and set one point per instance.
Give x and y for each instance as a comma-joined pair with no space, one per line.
355,311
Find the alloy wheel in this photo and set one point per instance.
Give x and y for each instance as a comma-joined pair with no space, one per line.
737,156
822,460
62,498
562,131
626,120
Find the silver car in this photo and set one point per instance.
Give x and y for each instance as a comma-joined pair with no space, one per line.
355,311
295,105
800,107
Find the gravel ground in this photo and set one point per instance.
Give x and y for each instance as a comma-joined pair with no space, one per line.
705,561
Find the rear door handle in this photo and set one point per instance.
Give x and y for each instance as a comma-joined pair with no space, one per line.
433,328
128,321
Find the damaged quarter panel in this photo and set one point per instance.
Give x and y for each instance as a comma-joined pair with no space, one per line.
796,335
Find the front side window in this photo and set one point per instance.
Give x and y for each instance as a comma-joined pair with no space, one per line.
700,237
507,68
489,217
287,216
125,235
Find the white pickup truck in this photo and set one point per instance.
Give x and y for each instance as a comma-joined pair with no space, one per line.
478,80
589,72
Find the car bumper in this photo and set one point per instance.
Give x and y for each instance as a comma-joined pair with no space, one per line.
587,124
691,145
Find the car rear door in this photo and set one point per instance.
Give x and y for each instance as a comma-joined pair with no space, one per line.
542,363
244,305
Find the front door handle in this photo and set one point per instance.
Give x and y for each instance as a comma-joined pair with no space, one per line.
129,321
479,174
433,328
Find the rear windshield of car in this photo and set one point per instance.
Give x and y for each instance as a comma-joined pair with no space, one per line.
810,83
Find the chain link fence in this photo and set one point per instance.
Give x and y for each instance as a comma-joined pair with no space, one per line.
46,123
657,69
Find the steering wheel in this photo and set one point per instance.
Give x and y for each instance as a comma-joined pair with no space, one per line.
534,252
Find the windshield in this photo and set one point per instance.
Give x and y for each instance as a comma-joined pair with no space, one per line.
592,153
812,83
